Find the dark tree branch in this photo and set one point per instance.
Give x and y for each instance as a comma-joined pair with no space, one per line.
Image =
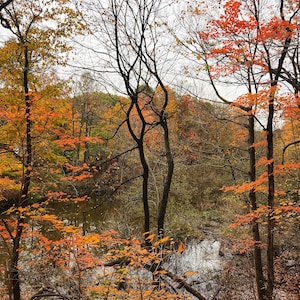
4,4
286,147
8,149
4,22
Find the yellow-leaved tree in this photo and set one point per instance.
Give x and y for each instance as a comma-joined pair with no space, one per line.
38,32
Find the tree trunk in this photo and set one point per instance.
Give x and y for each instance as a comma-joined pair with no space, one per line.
28,119
145,188
14,270
271,197
260,283
140,145
167,184
23,201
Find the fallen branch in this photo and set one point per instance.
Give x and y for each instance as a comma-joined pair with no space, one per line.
48,292
182,283
157,269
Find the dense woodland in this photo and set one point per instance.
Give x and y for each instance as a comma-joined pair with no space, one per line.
131,129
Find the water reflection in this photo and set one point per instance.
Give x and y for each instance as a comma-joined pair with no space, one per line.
90,215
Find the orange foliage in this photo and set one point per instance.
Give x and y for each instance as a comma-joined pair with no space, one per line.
258,185
261,214
68,142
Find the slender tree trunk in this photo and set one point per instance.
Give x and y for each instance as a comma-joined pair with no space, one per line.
271,198
14,270
270,158
260,283
28,119
167,184
140,145
86,155
145,187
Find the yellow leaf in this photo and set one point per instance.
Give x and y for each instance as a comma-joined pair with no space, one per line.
160,272
151,237
10,210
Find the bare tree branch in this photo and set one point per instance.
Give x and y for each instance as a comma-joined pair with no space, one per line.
286,147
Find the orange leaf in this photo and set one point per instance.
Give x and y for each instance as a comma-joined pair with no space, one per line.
189,273
181,247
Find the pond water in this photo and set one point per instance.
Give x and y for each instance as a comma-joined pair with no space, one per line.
90,215
201,259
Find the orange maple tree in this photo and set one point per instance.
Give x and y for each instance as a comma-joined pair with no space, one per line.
250,44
